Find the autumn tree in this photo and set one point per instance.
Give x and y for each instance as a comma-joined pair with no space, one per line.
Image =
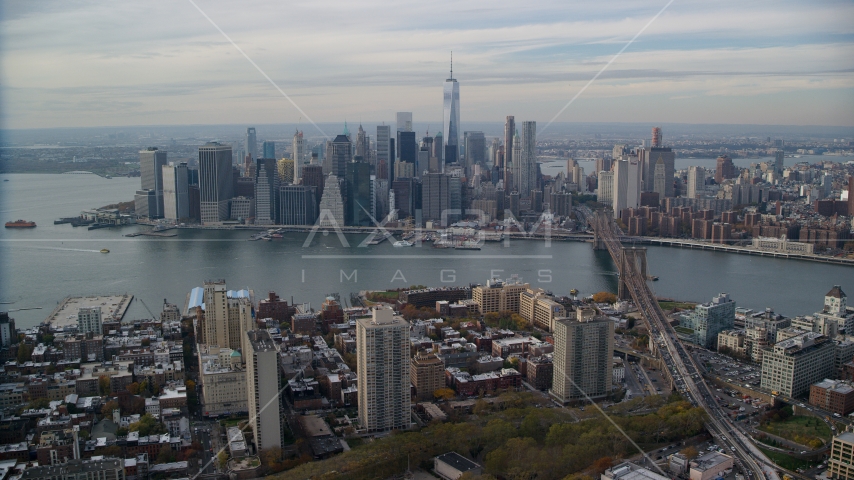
25,352
444,394
107,409
604,463
690,452
166,455
104,385
222,460
133,388
604,297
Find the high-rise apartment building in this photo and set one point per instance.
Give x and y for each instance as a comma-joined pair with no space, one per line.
226,316
151,163
498,295
509,133
89,320
382,357
263,388
216,186
709,319
583,358
299,153
791,366
383,157
527,160
605,190
176,186
404,121
266,191
725,169
451,118
250,144
656,137
540,309
696,181
840,465
427,373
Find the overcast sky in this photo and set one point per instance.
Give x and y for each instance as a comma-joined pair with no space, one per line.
90,63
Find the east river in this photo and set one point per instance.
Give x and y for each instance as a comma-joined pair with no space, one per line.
40,266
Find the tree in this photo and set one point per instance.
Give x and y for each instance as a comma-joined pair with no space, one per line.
133,388
604,297
166,455
104,385
25,352
604,463
690,452
112,451
222,460
444,394
107,409
147,425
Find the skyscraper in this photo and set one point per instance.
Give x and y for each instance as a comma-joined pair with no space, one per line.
583,358
605,190
404,121
509,132
331,213
696,181
250,144
312,175
297,205
515,165
269,149
435,196
359,198
626,185
656,137
176,184
362,147
263,390
659,178
151,162
475,145
266,191
338,154
407,149
649,158
382,357
778,163
527,160
215,181
299,154
451,117
383,157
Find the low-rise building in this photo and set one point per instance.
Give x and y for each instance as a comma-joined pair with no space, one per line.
709,466
732,341
452,465
539,372
833,395
630,471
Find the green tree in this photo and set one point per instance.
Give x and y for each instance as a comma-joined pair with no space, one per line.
104,385
107,409
25,352
222,460
166,455
147,425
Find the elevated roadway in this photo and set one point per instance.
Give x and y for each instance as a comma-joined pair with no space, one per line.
681,364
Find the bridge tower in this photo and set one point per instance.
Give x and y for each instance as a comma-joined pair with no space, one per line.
598,225
630,256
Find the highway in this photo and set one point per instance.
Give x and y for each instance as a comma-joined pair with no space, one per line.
685,372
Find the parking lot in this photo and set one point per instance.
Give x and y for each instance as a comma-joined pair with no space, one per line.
731,370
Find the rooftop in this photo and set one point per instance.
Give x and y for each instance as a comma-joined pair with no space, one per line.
457,461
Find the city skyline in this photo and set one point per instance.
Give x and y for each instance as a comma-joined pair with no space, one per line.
787,65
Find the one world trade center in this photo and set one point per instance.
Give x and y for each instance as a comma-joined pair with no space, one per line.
451,118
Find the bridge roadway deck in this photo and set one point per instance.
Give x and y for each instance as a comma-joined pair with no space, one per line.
747,456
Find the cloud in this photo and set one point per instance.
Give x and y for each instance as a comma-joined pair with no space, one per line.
349,58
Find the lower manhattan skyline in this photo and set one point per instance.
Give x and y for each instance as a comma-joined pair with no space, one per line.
403,241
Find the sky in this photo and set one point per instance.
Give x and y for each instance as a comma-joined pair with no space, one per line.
83,63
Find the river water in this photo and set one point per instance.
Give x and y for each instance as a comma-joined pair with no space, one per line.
39,267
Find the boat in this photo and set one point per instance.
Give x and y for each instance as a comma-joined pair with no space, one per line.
21,224
276,235
5,179
469,245
104,250
403,243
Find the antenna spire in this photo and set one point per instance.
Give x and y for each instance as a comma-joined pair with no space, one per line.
452,64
